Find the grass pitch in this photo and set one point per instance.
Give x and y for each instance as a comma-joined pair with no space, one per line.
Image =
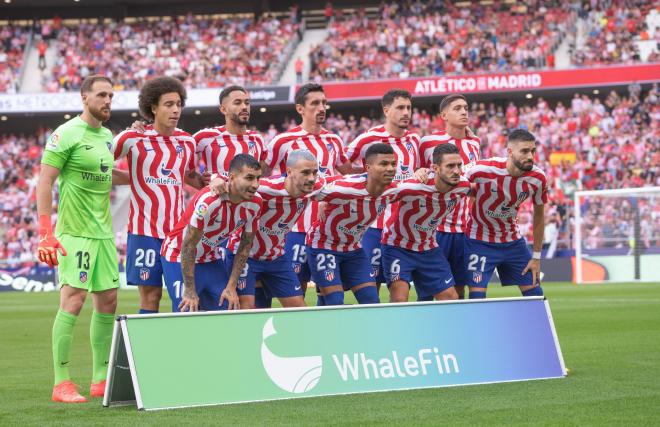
609,335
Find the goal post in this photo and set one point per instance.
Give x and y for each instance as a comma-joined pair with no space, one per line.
617,235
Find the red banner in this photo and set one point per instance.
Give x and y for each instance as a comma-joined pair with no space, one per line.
502,82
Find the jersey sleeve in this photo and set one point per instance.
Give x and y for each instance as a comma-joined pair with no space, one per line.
253,221
356,149
541,195
275,151
58,148
122,143
342,157
263,149
202,212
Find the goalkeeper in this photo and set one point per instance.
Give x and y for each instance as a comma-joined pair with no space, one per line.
78,153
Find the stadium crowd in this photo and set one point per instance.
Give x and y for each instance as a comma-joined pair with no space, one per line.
13,39
588,144
435,38
203,52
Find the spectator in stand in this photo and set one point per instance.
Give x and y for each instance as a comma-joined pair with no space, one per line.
42,46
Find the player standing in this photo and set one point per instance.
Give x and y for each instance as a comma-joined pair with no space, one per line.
335,256
501,185
190,253
397,109
78,155
410,249
328,148
160,159
455,113
285,197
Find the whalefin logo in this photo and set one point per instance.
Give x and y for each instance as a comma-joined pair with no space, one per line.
297,374
165,171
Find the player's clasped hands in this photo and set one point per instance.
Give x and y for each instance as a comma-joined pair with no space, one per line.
190,300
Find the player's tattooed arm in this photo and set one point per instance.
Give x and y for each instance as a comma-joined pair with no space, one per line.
534,265
240,259
190,300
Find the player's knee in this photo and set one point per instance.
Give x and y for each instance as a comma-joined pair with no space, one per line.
448,294
106,301
367,295
247,302
72,299
150,296
399,291
334,298
536,291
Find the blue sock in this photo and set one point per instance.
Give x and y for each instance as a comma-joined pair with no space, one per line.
320,300
367,295
334,298
426,298
536,291
144,311
261,300
477,295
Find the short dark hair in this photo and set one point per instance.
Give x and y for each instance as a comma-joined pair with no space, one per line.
393,94
229,89
375,149
440,150
241,160
518,135
153,89
89,81
447,100
304,90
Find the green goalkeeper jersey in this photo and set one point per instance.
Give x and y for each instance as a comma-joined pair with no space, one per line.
82,154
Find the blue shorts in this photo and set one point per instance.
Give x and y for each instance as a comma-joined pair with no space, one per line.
143,262
277,277
348,269
453,249
428,270
510,259
210,280
374,249
296,249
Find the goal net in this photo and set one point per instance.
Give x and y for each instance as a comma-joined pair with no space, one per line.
617,235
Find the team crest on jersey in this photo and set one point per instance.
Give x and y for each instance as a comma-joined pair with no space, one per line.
330,147
83,277
522,196
329,275
144,274
374,271
297,267
381,207
201,210
179,151
451,204
242,283
477,276
471,157
300,206
409,147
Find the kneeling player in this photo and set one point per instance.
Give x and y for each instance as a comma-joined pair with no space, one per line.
410,250
285,198
501,185
335,257
191,251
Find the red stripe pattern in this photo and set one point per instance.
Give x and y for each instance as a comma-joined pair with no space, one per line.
216,147
217,217
499,195
157,167
420,209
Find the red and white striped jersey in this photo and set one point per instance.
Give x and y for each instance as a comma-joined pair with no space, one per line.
217,147
470,151
499,195
328,149
217,217
279,212
349,211
405,148
421,206
157,165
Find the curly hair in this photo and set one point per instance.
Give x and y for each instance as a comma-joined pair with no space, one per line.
153,89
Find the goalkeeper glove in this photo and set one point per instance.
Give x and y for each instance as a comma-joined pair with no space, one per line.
48,244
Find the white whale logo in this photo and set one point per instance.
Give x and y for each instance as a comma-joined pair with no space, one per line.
292,374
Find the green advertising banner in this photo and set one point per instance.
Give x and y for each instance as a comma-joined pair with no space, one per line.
194,359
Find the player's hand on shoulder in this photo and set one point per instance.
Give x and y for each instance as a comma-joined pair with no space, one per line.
218,186
231,297
422,174
138,126
190,300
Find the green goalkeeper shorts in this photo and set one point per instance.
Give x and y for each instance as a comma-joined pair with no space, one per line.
90,264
